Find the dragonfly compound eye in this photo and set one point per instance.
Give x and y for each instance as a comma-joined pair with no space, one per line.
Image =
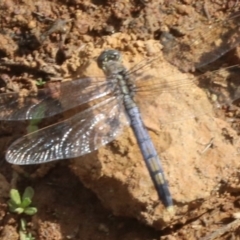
108,56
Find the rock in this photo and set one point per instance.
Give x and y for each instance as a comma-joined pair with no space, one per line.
195,154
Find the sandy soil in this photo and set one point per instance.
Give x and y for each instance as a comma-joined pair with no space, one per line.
108,194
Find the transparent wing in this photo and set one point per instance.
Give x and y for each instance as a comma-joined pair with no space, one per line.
175,92
203,44
54,99
79,135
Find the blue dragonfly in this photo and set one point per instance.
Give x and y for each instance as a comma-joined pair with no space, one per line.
100,123
97,125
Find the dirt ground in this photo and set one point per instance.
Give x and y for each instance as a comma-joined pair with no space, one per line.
108,194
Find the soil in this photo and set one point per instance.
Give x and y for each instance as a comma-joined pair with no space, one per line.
108,194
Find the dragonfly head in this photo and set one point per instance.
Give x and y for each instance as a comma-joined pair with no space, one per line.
110,61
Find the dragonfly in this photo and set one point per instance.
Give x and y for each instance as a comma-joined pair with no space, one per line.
101,122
